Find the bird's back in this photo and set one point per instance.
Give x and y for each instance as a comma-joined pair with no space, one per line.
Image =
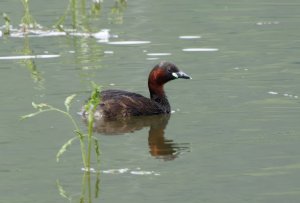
119,103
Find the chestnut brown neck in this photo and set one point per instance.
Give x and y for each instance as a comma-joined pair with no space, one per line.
158,95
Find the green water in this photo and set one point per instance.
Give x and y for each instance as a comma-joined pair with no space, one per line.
234,136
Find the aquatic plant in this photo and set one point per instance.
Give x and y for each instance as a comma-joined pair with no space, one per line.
36,75
77,10
27,20
90,108
86,188
78,14
96,7
116,13
7,24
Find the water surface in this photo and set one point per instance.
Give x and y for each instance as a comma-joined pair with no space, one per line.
234,136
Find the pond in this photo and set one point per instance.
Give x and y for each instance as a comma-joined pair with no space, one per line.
234,133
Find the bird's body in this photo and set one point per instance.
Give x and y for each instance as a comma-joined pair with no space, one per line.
120,104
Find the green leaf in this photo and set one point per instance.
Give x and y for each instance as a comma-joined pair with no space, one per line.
68,101
64,148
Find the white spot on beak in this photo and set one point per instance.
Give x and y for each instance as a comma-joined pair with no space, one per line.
175,75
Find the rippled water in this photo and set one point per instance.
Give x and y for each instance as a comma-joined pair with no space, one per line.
234,133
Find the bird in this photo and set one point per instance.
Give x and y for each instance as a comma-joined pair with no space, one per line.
118,104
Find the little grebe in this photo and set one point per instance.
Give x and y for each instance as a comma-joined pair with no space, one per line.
120,104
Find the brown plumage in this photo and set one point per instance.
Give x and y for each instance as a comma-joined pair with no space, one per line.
119,103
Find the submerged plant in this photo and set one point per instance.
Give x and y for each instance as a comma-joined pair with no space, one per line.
90,108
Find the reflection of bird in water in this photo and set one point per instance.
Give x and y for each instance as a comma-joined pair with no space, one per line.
121,112
159,146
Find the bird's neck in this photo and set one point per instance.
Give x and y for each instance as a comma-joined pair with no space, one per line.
158,95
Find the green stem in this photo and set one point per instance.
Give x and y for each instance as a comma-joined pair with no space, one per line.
83,8
79,133
74,14
90,133
97,185
89,187
83,183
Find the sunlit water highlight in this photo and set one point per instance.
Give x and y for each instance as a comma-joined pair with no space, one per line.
129,42
103,35
189,37
136,171
28,57
159,54
200,49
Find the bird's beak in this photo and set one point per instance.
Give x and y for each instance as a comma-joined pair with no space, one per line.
182,75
